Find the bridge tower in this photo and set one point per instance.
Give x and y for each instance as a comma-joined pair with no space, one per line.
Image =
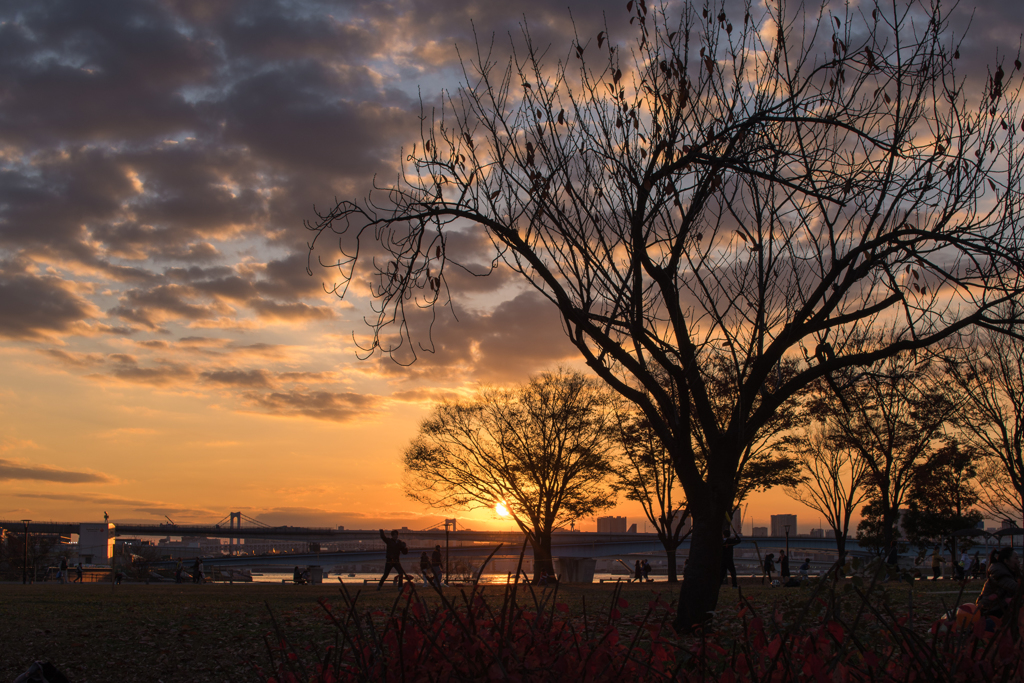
231,541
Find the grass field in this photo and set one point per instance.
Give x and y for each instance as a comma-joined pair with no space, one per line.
165,632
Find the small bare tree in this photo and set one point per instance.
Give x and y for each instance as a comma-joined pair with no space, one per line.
889,416
750,184
646,474
988,376
833,480
542,450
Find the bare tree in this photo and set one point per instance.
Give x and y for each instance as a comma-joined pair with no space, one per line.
541,450
646,474
754,185
988,376
834,480
889,415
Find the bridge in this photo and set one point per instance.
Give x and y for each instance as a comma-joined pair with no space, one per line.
567,544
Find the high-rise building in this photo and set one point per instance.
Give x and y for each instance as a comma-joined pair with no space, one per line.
760,531
817,533
611,525
780,522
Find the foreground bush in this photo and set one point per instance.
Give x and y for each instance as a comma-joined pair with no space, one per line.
834,636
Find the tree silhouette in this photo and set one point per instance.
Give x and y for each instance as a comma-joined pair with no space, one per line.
541,449
754,185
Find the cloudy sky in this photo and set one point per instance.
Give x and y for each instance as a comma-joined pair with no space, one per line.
163,350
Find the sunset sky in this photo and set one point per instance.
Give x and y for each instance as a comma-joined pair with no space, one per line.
163,350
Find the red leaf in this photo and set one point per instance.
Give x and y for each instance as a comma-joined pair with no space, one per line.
623,603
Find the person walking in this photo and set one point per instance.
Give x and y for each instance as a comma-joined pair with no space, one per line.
805,570
64,570
769,567
965,562
425,571
728,560
196,568
976,566
783,565
394,548
893,557
436,566
936,564
638,572
179,567
78,573
646,567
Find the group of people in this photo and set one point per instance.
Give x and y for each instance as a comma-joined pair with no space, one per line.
63,574
967,566
198,575
431,567
641,571
729,543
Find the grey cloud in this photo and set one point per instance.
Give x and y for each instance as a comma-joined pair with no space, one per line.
296,115
111,501
10,470
127,368
237,378
320,405
75,360
86,71
33,306
290,312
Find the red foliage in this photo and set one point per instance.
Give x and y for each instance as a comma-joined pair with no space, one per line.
471,641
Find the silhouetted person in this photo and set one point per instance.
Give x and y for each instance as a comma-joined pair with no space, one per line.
394,549
297,576
638,572
936,564
425,571
805,569
78,573
783,565
893,558
1000,587
436,566
728,561
769,567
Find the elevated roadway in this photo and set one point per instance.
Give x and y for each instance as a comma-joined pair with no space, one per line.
578,544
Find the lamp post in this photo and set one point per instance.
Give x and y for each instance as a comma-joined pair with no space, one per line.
787,540
449,524
24,567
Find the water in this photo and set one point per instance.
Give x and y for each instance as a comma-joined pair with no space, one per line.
359,578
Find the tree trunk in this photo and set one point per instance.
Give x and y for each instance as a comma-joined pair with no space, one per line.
670,555
698,595
542,561
889,519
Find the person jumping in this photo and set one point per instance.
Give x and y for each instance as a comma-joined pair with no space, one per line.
392,555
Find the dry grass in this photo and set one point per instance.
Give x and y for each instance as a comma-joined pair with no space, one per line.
161,632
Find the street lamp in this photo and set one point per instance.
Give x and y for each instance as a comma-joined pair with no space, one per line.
24,567
787,540
449,524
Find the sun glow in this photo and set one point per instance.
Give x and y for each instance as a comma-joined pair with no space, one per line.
501,510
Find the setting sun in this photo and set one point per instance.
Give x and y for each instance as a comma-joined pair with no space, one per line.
501,510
